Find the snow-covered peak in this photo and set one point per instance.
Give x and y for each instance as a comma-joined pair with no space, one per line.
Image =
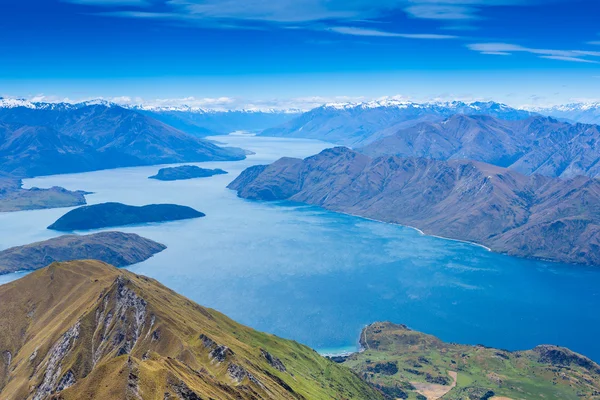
13,103
95,102
404,104
202,110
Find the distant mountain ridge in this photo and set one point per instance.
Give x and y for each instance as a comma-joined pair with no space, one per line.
193,120
529,216
62,138
356,124
540,145
586,113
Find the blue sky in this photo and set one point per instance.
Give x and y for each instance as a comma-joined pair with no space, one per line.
295,52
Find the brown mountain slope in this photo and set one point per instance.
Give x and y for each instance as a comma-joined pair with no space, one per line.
531,216
86,330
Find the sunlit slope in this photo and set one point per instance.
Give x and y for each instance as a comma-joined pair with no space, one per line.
86,330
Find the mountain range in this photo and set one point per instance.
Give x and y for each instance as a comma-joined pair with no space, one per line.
87,330
46,139
587,113
530,216
359,124
192,120
540,145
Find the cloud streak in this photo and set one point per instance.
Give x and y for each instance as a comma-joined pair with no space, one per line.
505,49
346,30
310,11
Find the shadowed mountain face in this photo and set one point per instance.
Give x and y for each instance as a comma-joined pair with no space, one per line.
536,145
117,248
86,330
355,125
530,216
406,363
61,139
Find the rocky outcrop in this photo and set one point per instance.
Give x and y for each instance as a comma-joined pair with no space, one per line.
116,248
529,216
52,367
116,214
273,361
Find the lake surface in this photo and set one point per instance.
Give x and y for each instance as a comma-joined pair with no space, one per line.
318,277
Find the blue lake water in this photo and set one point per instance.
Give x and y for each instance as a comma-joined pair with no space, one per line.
318,277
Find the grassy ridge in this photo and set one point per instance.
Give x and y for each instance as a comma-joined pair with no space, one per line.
109,333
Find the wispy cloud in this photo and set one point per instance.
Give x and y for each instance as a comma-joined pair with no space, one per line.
594,42
109,3
346,30
504,49
308,11
442,11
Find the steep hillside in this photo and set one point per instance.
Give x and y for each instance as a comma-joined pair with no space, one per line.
116,248
86,330
537,145
406,364
530,216
359,124
75,138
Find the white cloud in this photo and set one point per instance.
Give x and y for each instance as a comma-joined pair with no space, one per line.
346,30
594,43
561,55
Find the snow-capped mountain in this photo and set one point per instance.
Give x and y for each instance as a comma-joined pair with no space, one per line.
193,120
356,124
586,113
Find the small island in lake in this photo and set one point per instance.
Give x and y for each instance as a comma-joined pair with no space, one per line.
116,248
185,172
107,215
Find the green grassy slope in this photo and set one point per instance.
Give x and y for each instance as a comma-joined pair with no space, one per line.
409,364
